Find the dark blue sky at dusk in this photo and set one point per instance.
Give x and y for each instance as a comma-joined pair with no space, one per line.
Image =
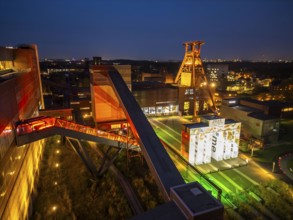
150,29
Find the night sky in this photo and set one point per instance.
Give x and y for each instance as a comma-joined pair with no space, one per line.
150,29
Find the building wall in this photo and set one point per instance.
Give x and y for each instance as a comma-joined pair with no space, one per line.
271,130
255,105
232,139
125,71
218,145
266,130
185,100
24,175
6,57
237,115
105,105
156,102
20,97
207,140
214,72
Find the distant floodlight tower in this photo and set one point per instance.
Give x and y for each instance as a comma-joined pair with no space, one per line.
193,84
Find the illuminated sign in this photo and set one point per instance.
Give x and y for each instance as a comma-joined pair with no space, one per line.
232,102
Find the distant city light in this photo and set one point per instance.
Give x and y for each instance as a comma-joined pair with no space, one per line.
54,208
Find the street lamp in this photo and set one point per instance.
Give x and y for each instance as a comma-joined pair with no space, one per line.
54,208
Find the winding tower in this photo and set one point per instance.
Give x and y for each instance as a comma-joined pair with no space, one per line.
195,96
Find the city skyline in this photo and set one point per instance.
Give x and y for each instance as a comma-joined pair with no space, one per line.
151,30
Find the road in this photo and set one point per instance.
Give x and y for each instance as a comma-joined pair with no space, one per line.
283,164
235,180
232,180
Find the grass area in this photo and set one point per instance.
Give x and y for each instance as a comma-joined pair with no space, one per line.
284,145
66,189
141,179
271,154
286,130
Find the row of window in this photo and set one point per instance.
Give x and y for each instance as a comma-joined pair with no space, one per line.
159,110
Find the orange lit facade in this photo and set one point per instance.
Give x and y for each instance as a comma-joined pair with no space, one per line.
107,112
20,98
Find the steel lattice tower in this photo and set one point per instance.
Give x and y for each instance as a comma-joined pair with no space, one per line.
191,74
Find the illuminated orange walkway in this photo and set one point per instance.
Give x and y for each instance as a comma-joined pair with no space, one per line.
38,124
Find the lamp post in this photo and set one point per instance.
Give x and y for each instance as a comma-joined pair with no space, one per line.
54,209
274,163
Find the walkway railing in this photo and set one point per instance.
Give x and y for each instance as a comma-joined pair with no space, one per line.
40,123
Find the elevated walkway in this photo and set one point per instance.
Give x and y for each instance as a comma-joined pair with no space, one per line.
34,129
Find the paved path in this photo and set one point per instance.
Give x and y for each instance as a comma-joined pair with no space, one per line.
283,164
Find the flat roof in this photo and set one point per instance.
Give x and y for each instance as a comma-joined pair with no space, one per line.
262,116
196,125
269,103
245,108
211,117
201,124
230,121
194,192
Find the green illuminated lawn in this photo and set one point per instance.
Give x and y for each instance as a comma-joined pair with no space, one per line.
246,191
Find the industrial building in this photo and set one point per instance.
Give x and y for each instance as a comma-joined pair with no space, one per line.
107,112
215,72
20,98
164,101
213,138
260,120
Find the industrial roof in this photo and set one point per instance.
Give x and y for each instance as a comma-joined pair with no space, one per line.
230,121
245,108
211,117
196,125
262,116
